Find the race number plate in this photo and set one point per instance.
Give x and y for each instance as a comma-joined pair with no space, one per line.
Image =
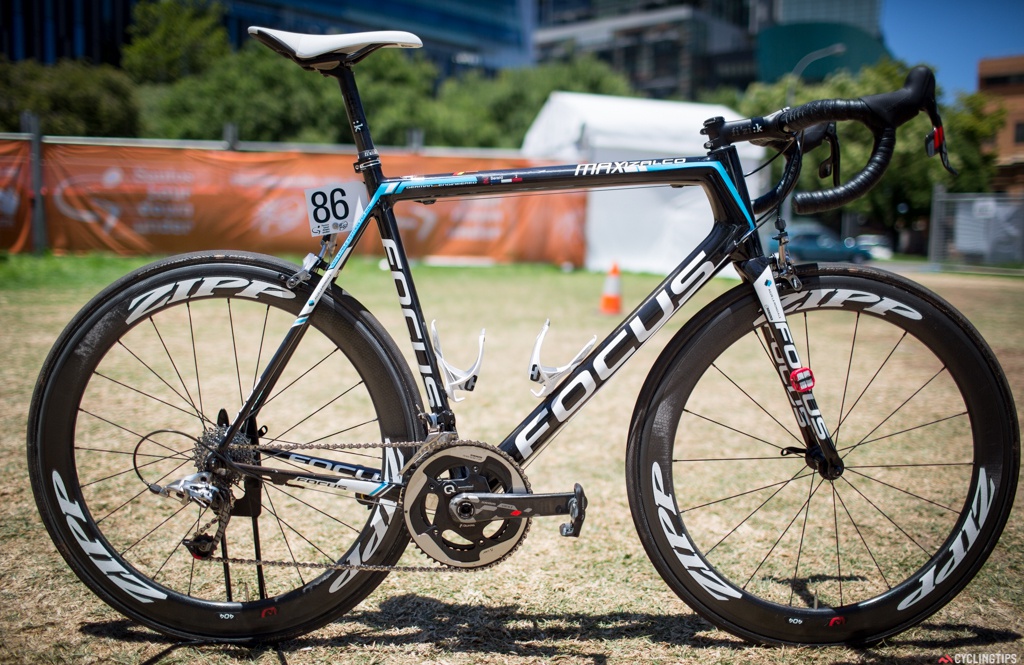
334,208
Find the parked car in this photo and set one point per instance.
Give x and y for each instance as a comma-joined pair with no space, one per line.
879,245
821,244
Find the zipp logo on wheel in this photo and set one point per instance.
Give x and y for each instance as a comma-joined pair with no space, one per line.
97,553
186,289
681,545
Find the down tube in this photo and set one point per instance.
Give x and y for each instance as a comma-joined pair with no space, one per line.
545,421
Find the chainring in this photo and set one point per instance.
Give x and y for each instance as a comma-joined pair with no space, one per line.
446,471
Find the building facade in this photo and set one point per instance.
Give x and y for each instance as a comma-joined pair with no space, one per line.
51,30
676,48
1003,78
666,49
455,33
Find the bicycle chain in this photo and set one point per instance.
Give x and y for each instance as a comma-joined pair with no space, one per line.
422,448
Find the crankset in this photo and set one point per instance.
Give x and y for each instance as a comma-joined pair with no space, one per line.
469,505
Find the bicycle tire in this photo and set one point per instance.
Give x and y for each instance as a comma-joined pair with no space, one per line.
137,377
757,542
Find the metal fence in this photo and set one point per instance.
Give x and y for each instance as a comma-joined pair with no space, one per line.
977,230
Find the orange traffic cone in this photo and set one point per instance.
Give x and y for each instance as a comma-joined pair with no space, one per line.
611,297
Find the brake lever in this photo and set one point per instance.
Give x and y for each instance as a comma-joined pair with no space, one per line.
936,142
830,166
936,139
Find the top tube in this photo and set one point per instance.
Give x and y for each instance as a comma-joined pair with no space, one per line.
709,172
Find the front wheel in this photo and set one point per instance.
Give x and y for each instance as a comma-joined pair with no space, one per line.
759,543
133,396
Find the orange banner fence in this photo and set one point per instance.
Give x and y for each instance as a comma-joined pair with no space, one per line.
137,199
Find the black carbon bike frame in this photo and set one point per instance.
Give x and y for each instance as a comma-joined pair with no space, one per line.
732,238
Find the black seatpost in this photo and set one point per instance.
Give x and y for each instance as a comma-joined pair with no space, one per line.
367,158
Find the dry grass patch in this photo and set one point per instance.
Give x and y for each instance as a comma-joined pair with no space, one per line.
592,600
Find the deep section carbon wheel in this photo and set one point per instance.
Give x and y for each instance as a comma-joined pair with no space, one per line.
137,392
765,547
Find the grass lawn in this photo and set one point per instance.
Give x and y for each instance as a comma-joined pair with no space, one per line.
592,600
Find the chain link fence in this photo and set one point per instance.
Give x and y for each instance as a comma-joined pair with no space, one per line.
977,230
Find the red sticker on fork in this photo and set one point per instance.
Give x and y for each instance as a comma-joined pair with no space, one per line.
802,379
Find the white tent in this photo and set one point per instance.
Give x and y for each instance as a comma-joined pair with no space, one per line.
648,229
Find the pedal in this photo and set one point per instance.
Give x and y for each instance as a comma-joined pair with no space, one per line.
577,513
477,507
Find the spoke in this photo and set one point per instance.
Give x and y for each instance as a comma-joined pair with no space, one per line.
174,366
846,382
732,459
922,464
733,429
226,568
898,408
316,411
195,356
839,558
764,503
907,492
883,514
803,532
285,523
184,461
235,350
861,536
166,520
176,456
783,534
284,536
866,441
185,398
782,483
874,376
313,508
347,429
144,490
121,427
301,376
145,394
259,354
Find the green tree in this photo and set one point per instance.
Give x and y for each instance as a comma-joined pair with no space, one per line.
396,87
911,175
270,98
172,39
71,98
267,97
479,111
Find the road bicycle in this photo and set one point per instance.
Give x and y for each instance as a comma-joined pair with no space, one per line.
824,454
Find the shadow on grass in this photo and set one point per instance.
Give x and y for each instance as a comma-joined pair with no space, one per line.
410,620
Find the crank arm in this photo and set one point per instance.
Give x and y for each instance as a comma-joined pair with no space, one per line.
477,507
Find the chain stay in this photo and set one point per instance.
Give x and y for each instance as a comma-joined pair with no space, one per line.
423,446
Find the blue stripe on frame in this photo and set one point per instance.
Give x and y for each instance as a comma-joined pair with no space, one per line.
721,171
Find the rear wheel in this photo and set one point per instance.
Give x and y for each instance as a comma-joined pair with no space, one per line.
141,383
759,543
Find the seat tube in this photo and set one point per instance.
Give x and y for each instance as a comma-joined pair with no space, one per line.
369,166
798,381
